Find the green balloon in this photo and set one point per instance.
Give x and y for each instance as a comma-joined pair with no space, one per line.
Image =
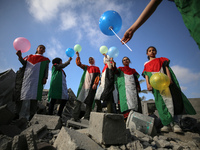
77,48
103,49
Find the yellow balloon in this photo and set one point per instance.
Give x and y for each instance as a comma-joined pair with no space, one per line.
159,81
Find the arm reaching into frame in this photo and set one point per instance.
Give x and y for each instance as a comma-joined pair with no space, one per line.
147,12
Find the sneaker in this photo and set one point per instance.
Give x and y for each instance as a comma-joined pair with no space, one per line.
177,129
165,128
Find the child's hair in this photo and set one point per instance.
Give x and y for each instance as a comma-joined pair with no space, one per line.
56,60
148,49
127,58
90,58
40,46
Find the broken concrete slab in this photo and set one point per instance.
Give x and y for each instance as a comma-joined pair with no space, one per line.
78,125
108,128
52,122
69,139
45,146
39,130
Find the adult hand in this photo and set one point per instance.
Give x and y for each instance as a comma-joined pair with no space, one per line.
127,36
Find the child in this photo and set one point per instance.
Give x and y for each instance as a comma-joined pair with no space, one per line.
128,87
169,107
58,87
34,77
87,88
189,10
106,90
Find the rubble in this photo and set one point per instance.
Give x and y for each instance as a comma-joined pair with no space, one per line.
104,131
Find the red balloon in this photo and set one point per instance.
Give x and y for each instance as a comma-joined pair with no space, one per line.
22,44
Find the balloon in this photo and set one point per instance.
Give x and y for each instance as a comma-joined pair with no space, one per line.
69,52
22,44
113,52
109,19
103,49
166,92
159,81
77,48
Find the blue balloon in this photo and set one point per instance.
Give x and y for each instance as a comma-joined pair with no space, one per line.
69,52
109,19
113,52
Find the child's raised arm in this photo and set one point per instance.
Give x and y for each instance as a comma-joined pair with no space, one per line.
19,54
78,61
60,66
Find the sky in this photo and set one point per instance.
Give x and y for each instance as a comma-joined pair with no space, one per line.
61,24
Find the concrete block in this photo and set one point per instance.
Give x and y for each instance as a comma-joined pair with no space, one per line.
107,128
140,122
52,122
69,139
149,107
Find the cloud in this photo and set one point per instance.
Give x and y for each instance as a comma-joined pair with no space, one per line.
68,20
185,75
80,16
54,49
45,10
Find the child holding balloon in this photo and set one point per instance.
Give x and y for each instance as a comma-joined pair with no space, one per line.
34,77
107,91
87,87
128,87
58,87
169,105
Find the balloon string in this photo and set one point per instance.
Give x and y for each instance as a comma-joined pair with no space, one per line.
120,39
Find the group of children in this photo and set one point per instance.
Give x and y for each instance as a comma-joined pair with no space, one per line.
117,86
